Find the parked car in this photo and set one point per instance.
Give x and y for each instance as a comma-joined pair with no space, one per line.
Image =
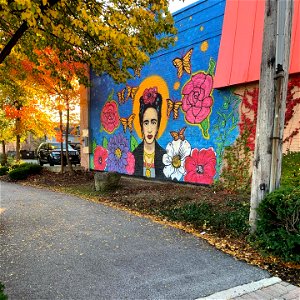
75,146
49,153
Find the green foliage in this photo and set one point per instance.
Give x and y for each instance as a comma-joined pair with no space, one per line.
3,170
18,173
23,170
3,159
278,226
112,36
235,176
290,169
228,218
2,295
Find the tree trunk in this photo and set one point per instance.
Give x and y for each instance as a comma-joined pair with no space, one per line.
18,140
70,167
61,143
4,157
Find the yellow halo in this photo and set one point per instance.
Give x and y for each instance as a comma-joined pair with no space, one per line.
162,88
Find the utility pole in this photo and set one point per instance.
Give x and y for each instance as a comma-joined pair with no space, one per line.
271,103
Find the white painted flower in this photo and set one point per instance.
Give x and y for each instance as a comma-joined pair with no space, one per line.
174,159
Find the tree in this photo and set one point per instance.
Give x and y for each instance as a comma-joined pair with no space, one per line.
60,87
115,36
19,101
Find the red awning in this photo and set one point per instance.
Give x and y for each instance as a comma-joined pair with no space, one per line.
241,42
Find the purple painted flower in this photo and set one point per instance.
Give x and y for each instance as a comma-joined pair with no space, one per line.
117,154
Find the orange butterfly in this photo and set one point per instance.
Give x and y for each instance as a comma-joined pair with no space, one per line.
178,135
137,72
121,96
131,91
183,64
173,106
127,123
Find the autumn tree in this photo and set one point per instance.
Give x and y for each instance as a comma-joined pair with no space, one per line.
112,36
20,105
60,87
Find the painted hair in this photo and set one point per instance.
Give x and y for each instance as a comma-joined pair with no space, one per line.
150,98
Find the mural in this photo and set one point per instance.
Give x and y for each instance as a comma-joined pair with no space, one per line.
168,122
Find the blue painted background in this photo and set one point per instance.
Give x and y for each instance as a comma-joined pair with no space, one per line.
199,27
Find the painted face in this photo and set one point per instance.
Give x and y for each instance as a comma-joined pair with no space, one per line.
150,125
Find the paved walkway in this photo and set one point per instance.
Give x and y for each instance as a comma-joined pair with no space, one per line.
55,246
265,289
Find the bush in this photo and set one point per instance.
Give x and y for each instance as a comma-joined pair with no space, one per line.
22,171
235,175
3,170
230,218
278,226
19,173
2,295
3,159
290,169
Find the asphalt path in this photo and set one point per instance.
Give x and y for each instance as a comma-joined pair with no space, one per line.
55,246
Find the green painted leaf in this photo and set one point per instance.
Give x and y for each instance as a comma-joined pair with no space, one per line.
92,162
204,125
105,143
211,68
94,145
110,96
133,143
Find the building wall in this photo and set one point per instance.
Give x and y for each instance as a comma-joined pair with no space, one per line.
197,121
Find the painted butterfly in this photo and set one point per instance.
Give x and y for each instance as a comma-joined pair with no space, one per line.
131,91
127,123
121,96
178,135
183,64
137,72
173,106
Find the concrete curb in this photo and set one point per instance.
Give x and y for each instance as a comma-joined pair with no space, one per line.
242,289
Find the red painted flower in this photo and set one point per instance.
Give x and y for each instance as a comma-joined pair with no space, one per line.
130,163
149,95
201,166
100,157
110,118
196,101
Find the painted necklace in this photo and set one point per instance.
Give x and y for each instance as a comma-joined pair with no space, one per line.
148,163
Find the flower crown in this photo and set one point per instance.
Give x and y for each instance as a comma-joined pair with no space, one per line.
149,95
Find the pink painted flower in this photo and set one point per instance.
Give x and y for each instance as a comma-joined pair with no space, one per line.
149,95
197,102
110,118
130,163
201,166
100,157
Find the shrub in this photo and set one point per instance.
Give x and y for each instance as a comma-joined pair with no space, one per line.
2,295
290,169
19,173
3,159
230,218
278,226
3,170
35,168
235,175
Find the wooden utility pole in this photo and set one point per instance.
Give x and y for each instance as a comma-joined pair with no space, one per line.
271,103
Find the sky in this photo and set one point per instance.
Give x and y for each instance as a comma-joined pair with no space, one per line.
178,4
